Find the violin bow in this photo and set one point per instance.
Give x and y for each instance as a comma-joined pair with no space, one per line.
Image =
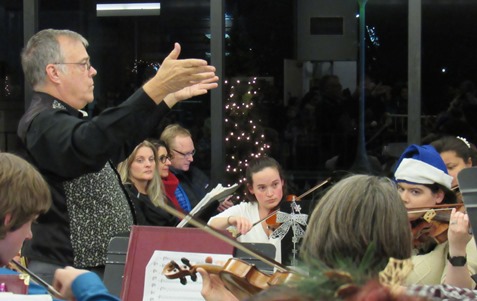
51,290
435,208
236,244
313,188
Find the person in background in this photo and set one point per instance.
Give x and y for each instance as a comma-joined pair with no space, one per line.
449,257
457,153
77,156
24,195
265,185
193,183
169,180
141,179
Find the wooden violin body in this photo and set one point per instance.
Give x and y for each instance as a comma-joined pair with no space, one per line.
433,226
241,278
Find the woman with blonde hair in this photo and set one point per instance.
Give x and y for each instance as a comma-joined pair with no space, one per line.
144,186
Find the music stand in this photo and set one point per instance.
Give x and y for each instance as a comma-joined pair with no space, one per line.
115,261
144,240
468,188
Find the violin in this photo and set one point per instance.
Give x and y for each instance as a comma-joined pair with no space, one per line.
432,227
240,278
281,275
271,219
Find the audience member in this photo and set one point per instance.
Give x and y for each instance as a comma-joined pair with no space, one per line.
24,195
423,181
399,99
141,179
458,118
193,183
77,156
169,180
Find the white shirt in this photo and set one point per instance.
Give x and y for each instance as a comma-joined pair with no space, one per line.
257,234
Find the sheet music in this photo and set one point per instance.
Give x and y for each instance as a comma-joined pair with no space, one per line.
218,193
158,288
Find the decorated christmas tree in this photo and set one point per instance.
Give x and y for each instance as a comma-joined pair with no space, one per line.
244,134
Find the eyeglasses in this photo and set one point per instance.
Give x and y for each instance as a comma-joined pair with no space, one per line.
185,155
86,65
163,159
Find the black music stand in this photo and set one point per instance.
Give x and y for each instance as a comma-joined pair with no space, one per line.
266,249
115,261
467,179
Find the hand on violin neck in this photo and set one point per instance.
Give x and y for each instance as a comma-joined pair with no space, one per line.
458,233
213,288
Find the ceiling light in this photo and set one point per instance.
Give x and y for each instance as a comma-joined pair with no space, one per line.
128,9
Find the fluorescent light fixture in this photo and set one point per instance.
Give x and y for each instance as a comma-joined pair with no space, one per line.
128,9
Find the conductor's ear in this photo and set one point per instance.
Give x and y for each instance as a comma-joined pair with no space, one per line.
52,73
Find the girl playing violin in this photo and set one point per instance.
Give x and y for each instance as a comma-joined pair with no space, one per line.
423,181
355,212
265,185
457,153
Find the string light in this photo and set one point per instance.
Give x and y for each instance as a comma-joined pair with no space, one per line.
245,139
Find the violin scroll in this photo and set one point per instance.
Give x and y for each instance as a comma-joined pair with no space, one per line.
172,270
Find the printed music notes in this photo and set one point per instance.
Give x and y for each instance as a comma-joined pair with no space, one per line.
158,288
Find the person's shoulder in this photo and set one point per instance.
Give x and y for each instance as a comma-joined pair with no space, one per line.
196,171
247,205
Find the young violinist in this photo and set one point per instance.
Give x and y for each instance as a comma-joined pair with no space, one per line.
444,252
355,212
24,195
457,153
265,185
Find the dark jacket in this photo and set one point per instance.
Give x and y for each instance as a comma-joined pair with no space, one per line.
195,183
147,213
77,156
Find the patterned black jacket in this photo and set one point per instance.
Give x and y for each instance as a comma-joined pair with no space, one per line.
77,156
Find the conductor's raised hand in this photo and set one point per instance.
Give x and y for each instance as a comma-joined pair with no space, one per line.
176,74
191,91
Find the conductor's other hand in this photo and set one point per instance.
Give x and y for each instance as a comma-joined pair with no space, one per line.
175,74
191,91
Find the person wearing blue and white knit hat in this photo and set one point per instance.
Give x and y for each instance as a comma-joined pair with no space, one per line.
423,181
